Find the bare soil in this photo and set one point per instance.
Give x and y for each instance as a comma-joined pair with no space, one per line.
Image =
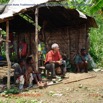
85,91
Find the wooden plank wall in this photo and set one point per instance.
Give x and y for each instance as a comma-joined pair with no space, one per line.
70,40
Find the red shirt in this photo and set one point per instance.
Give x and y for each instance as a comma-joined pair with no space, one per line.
24,48
51,56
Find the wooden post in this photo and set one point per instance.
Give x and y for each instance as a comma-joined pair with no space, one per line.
7,54
30,43
18,40
36,37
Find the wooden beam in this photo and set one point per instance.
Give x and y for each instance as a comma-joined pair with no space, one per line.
6,19
7,54
80,79
36,38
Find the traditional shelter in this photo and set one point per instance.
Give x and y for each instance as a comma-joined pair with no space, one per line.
67,27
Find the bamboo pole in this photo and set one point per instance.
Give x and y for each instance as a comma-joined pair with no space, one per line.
81,79
36,38
7,55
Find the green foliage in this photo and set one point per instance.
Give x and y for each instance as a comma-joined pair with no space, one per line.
97,6
96,35
13,57
81,5
4,1
12,91
96,41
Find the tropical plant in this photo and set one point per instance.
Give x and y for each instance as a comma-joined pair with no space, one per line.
96,41
93,8
4,1
97,5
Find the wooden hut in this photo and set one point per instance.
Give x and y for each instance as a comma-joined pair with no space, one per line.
67,27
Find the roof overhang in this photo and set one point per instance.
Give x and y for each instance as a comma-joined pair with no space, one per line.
56,16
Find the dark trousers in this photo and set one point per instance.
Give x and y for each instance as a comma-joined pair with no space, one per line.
51,67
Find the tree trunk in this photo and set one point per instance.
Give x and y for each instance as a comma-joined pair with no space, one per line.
7,54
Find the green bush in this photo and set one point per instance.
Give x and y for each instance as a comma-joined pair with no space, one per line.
96,41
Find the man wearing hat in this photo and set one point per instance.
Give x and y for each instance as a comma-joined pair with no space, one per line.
81,61
54,60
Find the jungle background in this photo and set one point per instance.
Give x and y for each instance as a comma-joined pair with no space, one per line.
86,91
92,8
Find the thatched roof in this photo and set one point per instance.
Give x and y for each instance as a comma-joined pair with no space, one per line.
59,16
55,16
15,6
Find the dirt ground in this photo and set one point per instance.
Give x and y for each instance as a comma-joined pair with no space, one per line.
85,91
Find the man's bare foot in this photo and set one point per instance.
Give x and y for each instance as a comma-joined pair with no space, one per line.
40,85
45,84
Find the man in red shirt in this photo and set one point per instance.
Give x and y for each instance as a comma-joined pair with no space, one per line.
23,49
54,60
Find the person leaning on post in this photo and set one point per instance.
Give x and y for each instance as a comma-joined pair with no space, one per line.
19,73
54,60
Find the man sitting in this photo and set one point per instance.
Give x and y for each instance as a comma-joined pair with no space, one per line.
32,73
19,73
81,61
54,60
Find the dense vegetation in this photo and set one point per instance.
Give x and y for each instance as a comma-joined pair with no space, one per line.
93,8
4,1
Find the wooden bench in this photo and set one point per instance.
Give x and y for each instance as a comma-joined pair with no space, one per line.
46,72
4,70
42,69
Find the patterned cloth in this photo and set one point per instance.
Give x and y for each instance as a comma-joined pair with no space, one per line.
42,49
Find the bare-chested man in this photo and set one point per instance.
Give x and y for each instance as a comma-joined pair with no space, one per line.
32,73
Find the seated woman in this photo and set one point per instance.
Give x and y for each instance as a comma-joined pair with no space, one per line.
31,71
81,61
54,60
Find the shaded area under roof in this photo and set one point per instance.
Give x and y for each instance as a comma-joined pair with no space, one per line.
18,24
58,16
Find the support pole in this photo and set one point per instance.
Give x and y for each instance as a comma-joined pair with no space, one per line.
7,54
36,38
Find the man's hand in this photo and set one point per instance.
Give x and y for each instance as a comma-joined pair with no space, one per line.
35,71
86,61
59,62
